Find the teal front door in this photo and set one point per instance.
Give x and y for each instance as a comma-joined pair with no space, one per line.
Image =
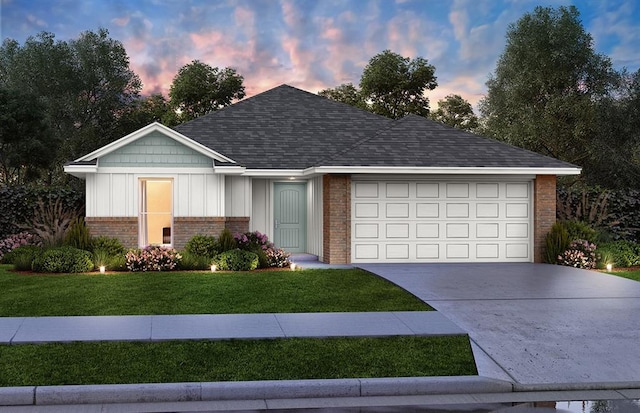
290,216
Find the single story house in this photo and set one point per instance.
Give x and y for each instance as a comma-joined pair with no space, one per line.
324,178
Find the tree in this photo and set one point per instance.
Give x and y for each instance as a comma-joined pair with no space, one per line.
346,93
26,145
454,111
143,111
198,89
541,96
395,86
85,85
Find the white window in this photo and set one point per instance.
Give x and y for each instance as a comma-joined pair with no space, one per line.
156,212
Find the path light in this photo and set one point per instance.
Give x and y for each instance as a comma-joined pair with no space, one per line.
213,268
293,266
102,269
609,267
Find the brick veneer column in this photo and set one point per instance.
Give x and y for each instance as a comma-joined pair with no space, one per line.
544,212
124,229
336,210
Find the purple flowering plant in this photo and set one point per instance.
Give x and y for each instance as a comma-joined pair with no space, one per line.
254,241
17,240
580,254
152,258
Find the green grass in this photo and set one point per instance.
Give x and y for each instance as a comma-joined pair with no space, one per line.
235,360
348,290
632,275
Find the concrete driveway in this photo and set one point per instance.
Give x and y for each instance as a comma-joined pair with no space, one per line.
539,323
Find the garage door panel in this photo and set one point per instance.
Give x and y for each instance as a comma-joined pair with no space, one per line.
397,210
420,221
397,230
366,210
394,190
424,210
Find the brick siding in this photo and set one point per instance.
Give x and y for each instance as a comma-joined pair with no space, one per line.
124,229
336,200
544,213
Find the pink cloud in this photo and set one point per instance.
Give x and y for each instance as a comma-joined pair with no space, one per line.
120,21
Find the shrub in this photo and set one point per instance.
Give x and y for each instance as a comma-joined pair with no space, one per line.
15,241
152,258
190,262
255,242
78,235
236,260
277,258
557,242
226,242
202,245
22,257
50,222
580,230
112,246
580,254
63,259
621,253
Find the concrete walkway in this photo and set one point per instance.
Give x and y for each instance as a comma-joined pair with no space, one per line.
538,324
22,330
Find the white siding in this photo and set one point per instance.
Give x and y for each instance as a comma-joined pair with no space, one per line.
238,196
116,194
261,212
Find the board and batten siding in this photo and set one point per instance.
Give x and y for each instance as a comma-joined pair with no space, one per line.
238,196
115,194
314,216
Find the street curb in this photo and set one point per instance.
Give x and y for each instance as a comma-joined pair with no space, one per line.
249,390
542,387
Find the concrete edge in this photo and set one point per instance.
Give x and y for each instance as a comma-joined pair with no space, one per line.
541,387
248,390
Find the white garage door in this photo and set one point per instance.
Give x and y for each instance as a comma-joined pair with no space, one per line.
448,221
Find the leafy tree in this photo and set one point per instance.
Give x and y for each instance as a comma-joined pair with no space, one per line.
346,93
198,89
85,85
395,86
454,111
143,111
26,142
541,96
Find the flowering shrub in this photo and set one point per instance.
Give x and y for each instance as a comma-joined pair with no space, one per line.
152,258
17,240
252,240
580,254
277,257
268,254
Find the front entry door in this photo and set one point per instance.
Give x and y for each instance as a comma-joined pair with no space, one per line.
290,216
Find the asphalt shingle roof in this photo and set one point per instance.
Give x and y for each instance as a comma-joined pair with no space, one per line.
288,128
283,128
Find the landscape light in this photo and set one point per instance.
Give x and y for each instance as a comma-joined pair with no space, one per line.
609,267
293,266
213,268
102,269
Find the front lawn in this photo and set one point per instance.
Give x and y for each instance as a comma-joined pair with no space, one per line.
348,290
632,275
234,360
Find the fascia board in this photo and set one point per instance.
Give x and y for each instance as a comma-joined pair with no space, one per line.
443,170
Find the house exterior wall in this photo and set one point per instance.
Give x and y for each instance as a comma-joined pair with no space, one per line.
336,195
125,229
544,212
116,193
237,197
261,211
158,151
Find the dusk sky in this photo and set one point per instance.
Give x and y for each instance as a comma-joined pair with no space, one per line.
315,44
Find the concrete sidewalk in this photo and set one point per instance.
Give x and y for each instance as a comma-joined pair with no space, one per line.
22,330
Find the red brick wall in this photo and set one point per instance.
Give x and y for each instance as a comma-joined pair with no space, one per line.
544,212
126,228
184,228
336,200
123,228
